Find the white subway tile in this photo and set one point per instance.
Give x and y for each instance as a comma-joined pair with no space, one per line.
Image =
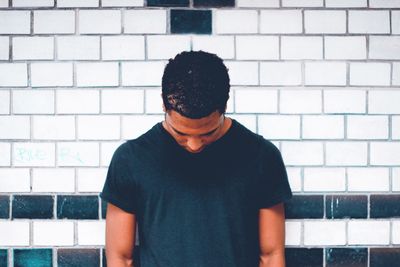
242,72
78,154
15,22
396,179
396,232
77,101
36,3
367,127
77,3
91,179
363,232
395,21
14,127
122,3
99,21
223,46
154,101
346,153
302,153
97,74
4,3
280,73
33,154
385,153
257,3
122,47
52,180
51,74
396,73
324,179
323,127
54,21
53,233
294,177
5,154
91,233
98,127
300,47
279,126
4,47
325,73
107,151
318,233
13,74
144,73
145,21
14,180
368,179
300,101
231,21
370,73
325,21
122,101
384,47
395,127
281,21
302,3
346,3
369,21
292,233
166,46
249,100
53,127
384,102
4,102
344,101
33,101
345,47
14,233
31,48
249,121
257,47
136,125
385,3
78,47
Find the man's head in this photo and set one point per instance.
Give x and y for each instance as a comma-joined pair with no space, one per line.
195,84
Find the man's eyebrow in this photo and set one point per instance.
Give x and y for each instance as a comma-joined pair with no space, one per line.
208,133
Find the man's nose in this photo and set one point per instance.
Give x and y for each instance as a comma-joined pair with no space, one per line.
194,143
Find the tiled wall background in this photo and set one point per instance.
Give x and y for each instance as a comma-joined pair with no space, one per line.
320,78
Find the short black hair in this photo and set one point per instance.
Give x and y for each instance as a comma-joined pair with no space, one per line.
195,84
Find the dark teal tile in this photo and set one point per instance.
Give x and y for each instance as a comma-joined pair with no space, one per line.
168,3
78,257
3,257
384,257
191,21
346,206
305,206
349,257
103,209
32,207
384,206
4,207
33,258
77,207
304,257
214,3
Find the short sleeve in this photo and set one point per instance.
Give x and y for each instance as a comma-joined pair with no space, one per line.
273,186
120,188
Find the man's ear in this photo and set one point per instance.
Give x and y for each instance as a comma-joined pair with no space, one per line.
163,108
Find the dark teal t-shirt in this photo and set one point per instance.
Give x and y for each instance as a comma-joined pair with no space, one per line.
197,209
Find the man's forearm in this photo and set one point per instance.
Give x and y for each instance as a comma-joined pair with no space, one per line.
272,260
119,262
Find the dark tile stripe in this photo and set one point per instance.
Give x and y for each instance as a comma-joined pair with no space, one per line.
3,257
305,206
168,3
78,257
349,257
384,206
346,206
304,257
32,207
4,207
214,3
33,258
384,257
191,21
77,207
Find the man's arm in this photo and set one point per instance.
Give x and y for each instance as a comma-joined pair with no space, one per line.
120,237
272,236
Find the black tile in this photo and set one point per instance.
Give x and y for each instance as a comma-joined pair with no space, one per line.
384,257
32,207
305,206
78,257
349,257
384,206
103,209
167,3
191,21
213,3
3,257
304,257
346,206
33,257
136,258
77,207
4,207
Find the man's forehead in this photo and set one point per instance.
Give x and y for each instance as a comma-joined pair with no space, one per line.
183,124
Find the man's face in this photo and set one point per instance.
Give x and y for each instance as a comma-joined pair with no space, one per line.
194,134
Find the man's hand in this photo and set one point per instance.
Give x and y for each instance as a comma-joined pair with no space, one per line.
272,236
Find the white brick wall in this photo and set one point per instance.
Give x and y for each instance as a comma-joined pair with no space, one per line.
325,73
231,21
91,127
78,47
332,21
15,22
362,74
91,179
142,73
371,127
302,153
91,233
99,21
324,179
14,180
97,74
249,100
371,21
343,47
33,102
383,102
4,102
13,74
4,48
385,153
51,74
53,127
78,154
53,233
33,154
345,101
14,233
5,154
257,47
62,21
78,101
166,46
223,46
280,73
122,101
347,153
14,127
122,47
300,101
296,47
53,180
368,179
323,127
279,126
281,21
362,232
145,21
324,233
30,48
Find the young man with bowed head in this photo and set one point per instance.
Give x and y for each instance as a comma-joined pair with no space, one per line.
203,190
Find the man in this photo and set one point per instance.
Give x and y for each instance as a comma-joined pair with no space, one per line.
204,190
